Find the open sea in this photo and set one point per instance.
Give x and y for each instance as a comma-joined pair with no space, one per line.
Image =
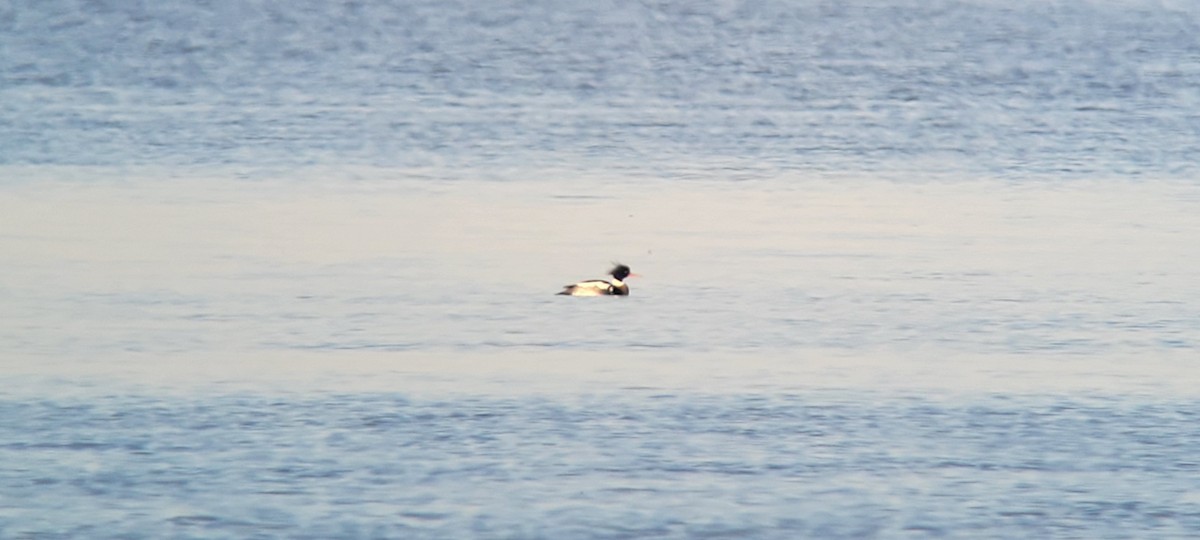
909,269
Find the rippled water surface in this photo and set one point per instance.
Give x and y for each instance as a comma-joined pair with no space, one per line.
898,87
908,270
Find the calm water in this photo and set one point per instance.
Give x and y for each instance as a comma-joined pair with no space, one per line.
909,270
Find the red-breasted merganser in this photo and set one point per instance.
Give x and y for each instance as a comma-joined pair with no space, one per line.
600,287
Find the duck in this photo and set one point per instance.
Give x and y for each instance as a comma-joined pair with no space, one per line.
600,287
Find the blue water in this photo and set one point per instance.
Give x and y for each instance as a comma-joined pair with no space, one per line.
644,466
910,269
1007,89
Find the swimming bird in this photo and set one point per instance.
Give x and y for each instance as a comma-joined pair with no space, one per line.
600,287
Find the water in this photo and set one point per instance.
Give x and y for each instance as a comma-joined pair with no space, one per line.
904,88
909,270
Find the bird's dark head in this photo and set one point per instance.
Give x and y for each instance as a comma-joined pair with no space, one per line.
620,271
